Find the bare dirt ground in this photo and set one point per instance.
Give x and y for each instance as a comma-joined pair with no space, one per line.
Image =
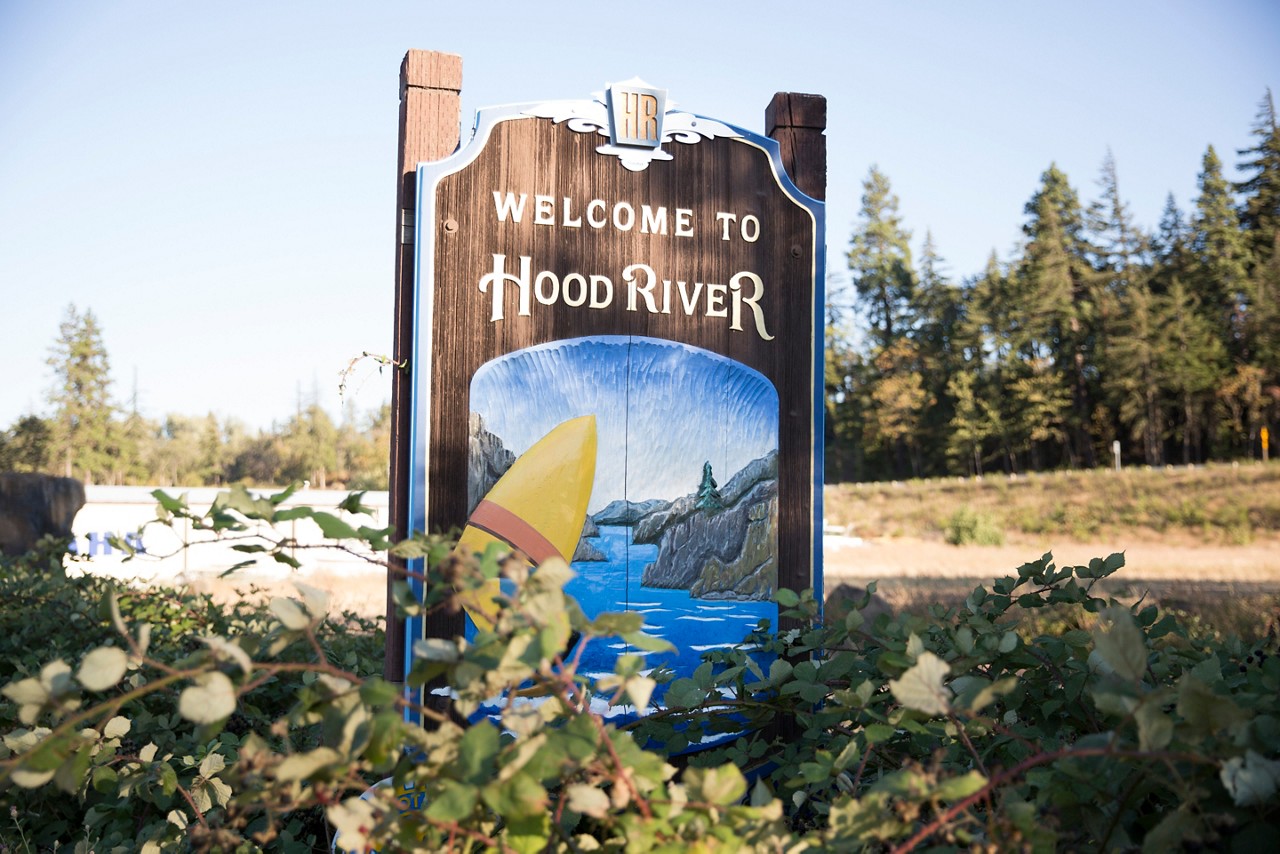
900,558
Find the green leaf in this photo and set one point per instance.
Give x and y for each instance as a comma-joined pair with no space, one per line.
212,764
290,513
648,643
786,598
302,766
30,779
436,649
315,600
351,819
1252,780
1169,833
71,774
849,755
1119,643
958,788
476,752
378,692
640,689
26,692
352,504
117,727
516,798
684,694
102,668
876,733
238,498
230,651
1155,728
921,688
588,800
105,780
724,785
1205,711
613,624
290,613
454,802
333,527
281,557
166,777
168,502
211,699
282,496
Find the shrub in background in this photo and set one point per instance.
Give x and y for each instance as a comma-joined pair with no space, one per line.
967,526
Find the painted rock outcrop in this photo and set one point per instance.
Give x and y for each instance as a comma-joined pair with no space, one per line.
487,460
729,553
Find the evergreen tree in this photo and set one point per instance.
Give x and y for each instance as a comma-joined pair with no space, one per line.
1135,356
898,401
1119,243
974,423
1120,249
709,497
1042,416
1170,247
845,372
1057,288
1262,327
366,453
261,459
1220,256
1241,404
992,325
310,447
26,445
83,429
938,308
1260,191
1192,365
880,261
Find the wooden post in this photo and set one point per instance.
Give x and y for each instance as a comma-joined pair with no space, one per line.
430,112
799,123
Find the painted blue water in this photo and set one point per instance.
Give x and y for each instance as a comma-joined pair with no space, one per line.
694,626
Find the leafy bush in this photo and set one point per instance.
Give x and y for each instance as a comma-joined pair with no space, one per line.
946,731
57,625
968,526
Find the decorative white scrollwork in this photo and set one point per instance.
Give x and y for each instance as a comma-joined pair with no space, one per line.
593,117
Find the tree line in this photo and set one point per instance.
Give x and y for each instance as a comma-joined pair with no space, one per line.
1095,330
94,438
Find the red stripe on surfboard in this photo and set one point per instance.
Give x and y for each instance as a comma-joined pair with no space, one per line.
505,525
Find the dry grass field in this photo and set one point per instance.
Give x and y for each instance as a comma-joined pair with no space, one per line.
1201,505
1203,540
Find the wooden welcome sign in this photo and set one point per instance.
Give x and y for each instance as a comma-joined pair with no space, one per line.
617,360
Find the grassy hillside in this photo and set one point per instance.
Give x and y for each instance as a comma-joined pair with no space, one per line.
1219,504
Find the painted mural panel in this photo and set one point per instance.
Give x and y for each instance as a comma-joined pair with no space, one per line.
681,520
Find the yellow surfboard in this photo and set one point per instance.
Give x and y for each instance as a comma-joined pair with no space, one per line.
538,507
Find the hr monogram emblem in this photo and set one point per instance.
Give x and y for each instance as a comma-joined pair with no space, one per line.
636,111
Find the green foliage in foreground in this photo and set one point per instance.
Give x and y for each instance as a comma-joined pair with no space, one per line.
173,725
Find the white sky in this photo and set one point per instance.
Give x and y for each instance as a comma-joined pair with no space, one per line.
216,181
